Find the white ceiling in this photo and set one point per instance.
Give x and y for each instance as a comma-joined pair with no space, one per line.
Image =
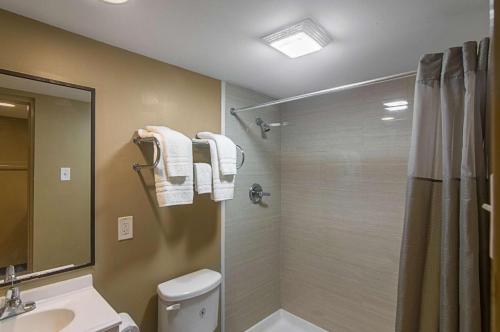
220,38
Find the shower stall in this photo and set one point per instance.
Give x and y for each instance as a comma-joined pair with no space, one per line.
321,252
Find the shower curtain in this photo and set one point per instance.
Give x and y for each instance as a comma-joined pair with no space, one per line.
444,262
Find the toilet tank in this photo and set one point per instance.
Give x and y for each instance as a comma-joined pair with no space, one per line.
189,303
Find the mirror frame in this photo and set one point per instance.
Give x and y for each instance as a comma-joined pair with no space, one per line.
40,274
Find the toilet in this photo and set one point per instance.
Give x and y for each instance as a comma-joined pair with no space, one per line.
189,303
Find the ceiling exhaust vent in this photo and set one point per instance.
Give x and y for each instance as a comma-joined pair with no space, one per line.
299,39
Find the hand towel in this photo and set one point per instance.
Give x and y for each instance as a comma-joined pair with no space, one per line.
175,190
222,185
202,178
226,151
177,151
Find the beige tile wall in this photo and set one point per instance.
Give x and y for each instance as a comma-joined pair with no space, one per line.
252,231
343,192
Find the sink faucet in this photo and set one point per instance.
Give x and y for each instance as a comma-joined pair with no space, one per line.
13,305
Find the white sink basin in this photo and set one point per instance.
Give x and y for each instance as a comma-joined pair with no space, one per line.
68,306
41,321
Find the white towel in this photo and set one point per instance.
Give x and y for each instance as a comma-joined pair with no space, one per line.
177,151
226,150
222,185
175,190
202,178
127,324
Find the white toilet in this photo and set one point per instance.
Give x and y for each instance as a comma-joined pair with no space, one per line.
189,303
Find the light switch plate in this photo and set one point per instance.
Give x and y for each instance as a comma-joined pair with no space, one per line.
125,228
65,174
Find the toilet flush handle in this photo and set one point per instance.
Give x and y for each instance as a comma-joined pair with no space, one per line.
172,307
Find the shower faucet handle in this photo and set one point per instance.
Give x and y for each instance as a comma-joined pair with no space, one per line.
256,193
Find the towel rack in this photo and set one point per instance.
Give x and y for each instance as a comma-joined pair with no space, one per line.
138,140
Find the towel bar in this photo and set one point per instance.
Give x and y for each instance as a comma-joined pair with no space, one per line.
138,140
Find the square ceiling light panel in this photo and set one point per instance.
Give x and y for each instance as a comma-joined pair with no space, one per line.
299,39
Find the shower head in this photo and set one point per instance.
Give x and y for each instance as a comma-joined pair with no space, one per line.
264,126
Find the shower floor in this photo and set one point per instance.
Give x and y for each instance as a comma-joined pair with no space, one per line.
283,321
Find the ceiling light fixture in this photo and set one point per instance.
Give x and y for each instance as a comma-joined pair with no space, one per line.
7,104
396,108
396,105
115,2
302,38
387,118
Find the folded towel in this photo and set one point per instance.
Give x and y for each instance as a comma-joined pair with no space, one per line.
177,151
226,150
174,190
222,185
202,178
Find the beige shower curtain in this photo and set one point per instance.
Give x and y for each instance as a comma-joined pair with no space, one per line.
444,272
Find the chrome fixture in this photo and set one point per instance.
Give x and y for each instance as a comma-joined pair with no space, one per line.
256,193
264,127
235,111
13,304
138,140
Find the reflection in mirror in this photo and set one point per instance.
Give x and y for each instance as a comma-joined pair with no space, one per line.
46,175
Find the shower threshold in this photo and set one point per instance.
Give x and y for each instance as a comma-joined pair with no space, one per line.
283,321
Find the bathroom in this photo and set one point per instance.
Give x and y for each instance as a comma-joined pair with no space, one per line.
331,138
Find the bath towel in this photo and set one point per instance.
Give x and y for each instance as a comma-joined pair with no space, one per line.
177,151
226,151
170,190
222,185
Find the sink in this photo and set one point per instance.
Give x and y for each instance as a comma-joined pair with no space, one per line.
72,305
43,321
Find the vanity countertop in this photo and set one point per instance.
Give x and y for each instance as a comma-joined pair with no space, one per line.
69,306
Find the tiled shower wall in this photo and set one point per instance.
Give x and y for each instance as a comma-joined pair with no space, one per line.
343,194
252,286
325,246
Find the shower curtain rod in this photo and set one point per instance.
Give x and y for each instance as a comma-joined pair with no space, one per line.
235,111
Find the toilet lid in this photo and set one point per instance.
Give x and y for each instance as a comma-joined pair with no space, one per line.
189,285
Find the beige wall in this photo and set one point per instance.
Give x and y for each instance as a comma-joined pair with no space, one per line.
61,209
14,145
61,139
343,197
132,91
252,231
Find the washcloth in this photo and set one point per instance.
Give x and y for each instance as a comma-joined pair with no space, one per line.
226,151
202,178
177,151
170,190
222,185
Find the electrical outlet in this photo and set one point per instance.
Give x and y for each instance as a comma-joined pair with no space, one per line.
125,228
65,174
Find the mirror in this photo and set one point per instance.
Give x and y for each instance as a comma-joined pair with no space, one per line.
46,175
